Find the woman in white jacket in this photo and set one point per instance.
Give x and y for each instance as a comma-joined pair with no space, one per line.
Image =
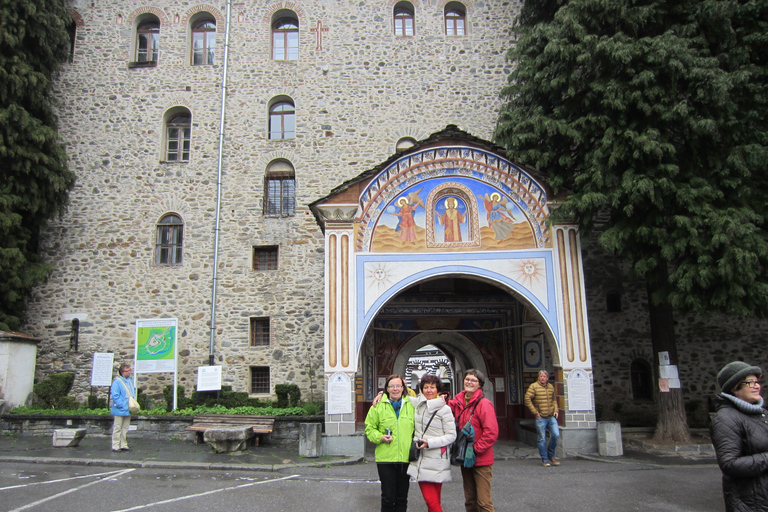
434,438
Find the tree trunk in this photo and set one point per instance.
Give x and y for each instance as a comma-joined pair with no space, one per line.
672,425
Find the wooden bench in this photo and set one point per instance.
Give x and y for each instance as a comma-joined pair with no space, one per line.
261,425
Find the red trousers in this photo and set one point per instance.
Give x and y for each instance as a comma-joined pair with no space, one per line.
431,493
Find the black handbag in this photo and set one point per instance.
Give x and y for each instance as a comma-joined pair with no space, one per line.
413,454
459,446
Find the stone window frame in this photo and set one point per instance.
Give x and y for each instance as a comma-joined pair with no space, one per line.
169,240
280,189
260,380
200,24
402,13
177,146
264,258
285,30
259,331
455,16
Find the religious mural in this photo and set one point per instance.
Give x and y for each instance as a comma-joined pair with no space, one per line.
452,213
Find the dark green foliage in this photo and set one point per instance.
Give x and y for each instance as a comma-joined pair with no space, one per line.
98,403
52,390
653,117
182,401
288,395
235,399
34,178
143,399
68,403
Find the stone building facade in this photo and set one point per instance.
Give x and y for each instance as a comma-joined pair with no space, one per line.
317,95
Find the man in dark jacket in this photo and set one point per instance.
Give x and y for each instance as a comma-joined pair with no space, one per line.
740,435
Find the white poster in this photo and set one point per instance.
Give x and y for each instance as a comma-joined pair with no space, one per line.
101,372
209,378
339,394
579,391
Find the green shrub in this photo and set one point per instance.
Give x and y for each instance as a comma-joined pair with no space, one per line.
68,403
182,401
288,395
96,403
54,388
313,408
235,399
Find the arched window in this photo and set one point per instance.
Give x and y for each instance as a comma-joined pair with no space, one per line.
455,18
280,189
404,19
282,120
148,40
641,379
285,38
178,137
168,242
405,143
203,41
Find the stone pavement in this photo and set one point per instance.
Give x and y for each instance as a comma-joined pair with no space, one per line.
183,454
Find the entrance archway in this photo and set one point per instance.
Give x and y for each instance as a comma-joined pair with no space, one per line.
452,206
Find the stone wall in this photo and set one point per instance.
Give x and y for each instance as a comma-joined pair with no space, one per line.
355,95
704,344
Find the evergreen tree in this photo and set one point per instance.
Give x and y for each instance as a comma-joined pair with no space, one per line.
34,178
653,113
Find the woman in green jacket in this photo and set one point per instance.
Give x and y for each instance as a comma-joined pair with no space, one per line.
389,426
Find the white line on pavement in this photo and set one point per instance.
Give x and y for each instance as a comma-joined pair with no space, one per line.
49,498
207,493
57,481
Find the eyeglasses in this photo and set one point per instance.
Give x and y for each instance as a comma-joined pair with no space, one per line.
471,380
753,383
395,387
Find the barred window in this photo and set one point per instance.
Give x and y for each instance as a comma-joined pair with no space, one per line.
280,193
259,332
260,379
265,258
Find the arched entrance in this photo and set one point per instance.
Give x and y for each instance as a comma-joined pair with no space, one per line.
403,239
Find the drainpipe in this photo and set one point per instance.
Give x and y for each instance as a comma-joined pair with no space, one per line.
218,184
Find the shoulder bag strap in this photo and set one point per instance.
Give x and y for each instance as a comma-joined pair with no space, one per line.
429,422
126,387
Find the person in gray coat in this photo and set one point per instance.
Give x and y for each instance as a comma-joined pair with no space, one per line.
739,433
435,431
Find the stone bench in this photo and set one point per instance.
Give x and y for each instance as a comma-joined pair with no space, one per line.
68,437
262,425
228,439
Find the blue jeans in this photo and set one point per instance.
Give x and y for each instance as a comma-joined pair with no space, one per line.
542,424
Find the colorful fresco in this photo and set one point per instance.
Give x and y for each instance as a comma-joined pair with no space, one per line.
452,213
452,198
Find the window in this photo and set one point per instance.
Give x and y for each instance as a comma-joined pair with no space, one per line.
265,258
280,188
168,245
203,42
148,41
640,377
282,120
403,19
455,16
72,32
613,302
74,334
259,332
178,138
285,39
405,143
260,379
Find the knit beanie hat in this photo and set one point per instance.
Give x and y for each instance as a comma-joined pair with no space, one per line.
735,372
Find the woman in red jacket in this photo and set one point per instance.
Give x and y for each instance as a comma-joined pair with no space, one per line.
470,406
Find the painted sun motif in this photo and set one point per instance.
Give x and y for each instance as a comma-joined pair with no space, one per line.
529,273
379,277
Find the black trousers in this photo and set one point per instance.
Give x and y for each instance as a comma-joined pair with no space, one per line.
394,486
